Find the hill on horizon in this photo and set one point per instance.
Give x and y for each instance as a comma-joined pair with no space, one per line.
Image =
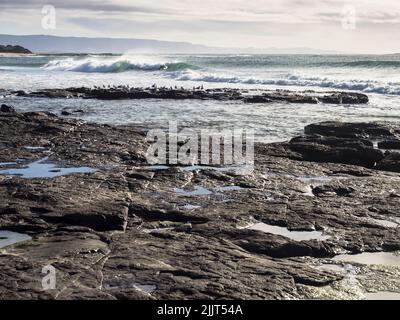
13,49
56,44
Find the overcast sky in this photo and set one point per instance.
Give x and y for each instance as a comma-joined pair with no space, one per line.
323,24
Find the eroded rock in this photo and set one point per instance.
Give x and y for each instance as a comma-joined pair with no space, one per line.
124,232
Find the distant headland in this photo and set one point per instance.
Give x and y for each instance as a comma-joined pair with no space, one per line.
13,50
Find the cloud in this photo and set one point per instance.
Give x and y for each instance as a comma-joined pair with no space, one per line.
88,5
288,11
257,23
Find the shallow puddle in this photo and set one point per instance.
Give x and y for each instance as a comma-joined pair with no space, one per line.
123,284
370,258
317,180
235,169
229,188
331,267
2,164
294,235
34,148
190,207
44,169
8,238
375,143
384,223
157,168
198,191
382,295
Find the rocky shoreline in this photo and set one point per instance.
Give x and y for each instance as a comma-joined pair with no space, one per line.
126,230
220,94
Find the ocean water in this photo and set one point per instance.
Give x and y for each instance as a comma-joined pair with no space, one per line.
377,76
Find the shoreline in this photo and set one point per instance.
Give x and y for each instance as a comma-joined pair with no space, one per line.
12,54
157,229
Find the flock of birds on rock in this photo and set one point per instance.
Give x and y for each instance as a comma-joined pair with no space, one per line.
154,87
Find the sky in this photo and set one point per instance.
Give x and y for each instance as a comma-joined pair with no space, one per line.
359,26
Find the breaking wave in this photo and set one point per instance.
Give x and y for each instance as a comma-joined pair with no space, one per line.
367,86
122,64
234,67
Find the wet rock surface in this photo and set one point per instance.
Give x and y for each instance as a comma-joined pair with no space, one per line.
126,231
221,94
6,108
348,143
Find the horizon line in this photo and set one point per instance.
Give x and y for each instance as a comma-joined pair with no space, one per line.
328,51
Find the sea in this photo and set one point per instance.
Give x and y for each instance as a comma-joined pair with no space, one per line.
378,76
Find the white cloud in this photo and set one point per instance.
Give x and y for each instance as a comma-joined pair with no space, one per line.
257,23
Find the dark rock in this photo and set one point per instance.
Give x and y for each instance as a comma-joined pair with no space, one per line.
291,97
53,129
344,98
391,162
13,49
257,99
6,108
338,150
351,130
220,94
389,144
332,189
170,215
19,93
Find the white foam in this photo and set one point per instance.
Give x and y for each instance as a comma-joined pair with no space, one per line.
93,64
367,86
101,65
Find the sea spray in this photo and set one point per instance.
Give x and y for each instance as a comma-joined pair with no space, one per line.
367,86
114,65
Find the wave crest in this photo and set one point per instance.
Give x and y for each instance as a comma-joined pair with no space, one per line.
122,64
